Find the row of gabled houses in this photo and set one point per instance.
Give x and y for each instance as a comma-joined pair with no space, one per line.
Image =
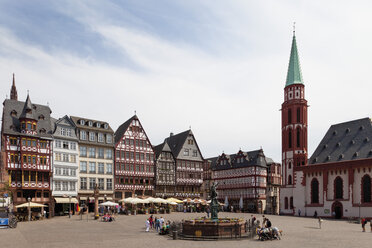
58,162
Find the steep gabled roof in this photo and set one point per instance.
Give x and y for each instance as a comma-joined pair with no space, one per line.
345,141
122,128
28,111
176,141
163,147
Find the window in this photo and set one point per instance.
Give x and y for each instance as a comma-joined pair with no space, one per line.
92,152
298,137
64,171
137,156
92,167
186,152
298,115
73,146
92,183
289,179
101,183
72,186
65,157
57,186
73,158
83,151
65,145
90,123
98,124
57,170
58,144
338,188
108,184
314,191
286,202
366,189
289,116
290,138
109,138
83,183
109,168
68,132
101,168
142,156
83,135
72,172
291,202
82,122
194,153
101,153
64,186
109,154
92,136
100,137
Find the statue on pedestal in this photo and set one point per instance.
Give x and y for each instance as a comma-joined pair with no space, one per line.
214,205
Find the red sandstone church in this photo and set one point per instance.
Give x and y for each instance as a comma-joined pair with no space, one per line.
336,180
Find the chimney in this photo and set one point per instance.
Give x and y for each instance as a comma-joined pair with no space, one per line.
171,134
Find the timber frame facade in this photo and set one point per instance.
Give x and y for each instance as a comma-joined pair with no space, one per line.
165,173
134,161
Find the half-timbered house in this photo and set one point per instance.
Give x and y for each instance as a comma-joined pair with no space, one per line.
189,164
134,161
241,178
165,171
26,147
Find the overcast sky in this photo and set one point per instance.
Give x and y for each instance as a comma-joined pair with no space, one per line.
217,66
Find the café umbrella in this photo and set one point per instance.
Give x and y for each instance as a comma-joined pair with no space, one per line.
31,205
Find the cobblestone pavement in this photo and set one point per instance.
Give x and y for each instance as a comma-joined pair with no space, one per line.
129,231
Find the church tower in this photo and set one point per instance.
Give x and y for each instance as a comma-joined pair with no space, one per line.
294,129
13,91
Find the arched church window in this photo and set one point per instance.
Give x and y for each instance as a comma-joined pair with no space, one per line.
291,202
338,188
289,179
366,188
286,202
298,137
290,138
298,115
314,191
289,116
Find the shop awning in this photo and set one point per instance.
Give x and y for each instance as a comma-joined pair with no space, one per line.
65,200
83,198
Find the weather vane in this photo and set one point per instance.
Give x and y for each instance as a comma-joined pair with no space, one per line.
294,28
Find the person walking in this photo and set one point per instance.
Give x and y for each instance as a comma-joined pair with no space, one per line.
151,220
364,221
320,222
299,212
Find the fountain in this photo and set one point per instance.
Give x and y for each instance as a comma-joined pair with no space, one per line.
214,227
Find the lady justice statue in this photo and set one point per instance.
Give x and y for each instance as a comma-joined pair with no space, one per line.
214,205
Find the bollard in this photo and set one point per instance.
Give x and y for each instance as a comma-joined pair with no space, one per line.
174,235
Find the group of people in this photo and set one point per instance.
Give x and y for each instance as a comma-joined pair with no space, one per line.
364,223
159,224
266,231
108,217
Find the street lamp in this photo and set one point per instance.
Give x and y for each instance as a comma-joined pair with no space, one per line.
29,208
69,212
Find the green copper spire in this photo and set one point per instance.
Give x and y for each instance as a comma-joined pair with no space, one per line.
294,75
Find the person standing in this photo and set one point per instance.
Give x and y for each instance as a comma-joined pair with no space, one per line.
147,225
320,222
299,212
157,224
207,212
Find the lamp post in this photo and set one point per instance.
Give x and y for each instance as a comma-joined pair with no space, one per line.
359,212
69,212
29,208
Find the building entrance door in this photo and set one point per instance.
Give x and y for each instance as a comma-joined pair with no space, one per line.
337,210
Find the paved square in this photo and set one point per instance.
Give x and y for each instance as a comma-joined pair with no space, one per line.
129,231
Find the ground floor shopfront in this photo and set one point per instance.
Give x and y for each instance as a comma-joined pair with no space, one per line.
41,196
87,201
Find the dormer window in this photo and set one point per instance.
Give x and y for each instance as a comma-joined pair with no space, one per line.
105,126
98,125
90,123
42,131
41,117
82,122
13,113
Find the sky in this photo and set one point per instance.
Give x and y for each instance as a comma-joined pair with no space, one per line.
216,66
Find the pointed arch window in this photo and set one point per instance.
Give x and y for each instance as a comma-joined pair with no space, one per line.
290,138
298,115
298,137
289,179
291,202
286,202
314,191
366,189
338,188
289,116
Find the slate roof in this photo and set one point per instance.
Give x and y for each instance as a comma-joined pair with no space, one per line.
11,124
177,141
252,158
76,119
160,148
122,128
345,141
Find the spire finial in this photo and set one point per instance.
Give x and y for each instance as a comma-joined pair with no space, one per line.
28,92
13,90
190,127
13,79
294,28
135,112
